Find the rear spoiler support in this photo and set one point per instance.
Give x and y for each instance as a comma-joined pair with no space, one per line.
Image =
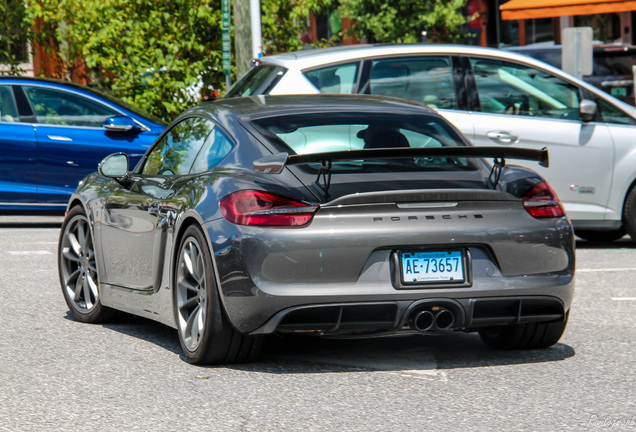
275,163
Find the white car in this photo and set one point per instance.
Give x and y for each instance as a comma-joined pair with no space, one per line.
494,97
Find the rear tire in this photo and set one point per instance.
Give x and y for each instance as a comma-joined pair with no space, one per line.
600,236
629,214
523,336
205,333
78,269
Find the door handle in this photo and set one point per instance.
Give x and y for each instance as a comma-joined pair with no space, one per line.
154,209
59,138
158,210
503,137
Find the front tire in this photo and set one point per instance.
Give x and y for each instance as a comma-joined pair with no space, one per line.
205,334
629,214
524,336
78,269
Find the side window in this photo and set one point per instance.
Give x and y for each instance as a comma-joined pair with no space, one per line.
177,149
256,81
8,110
62,108
427,80
339,79
610,114
508,88
216,147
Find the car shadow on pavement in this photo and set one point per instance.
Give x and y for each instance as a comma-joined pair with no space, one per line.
142,328
423,354
28,221
623,243
416,354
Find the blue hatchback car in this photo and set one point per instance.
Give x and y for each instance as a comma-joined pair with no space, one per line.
54,133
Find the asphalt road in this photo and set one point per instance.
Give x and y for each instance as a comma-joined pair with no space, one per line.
59,374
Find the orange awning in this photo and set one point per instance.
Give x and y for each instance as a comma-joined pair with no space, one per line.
532,9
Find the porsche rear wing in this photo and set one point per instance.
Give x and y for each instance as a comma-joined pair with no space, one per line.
275,163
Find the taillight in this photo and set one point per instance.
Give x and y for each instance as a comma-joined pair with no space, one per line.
258,208
541,201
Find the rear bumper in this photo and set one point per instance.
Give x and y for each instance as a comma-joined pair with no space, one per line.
380,308
401,316
346,264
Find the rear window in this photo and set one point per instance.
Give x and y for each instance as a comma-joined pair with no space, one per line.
310,134
605,62
339,79
257,81
613,63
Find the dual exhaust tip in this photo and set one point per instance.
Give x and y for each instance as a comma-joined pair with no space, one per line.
441,319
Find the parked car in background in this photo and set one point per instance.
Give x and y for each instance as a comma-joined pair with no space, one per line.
319,215
494,97
53,134
611,66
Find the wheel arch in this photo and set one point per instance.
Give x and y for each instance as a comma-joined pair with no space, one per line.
623,183
631,187
627,226
78,200
187,220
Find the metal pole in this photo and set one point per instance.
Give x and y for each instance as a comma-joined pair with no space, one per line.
497,18
577,54
255,15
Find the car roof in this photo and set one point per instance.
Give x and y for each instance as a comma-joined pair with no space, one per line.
597,47
315,57
307,59
7,79
266,106
88,91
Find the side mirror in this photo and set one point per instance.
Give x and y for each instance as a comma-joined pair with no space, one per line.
121,123
587,110
114,166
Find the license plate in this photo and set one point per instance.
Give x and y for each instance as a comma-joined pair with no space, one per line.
618,91
438,266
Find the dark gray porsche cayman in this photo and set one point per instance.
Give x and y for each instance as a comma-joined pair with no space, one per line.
326,215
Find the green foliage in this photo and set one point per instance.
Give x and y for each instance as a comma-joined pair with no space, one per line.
161,54
283,21
145,52
402,21
14,34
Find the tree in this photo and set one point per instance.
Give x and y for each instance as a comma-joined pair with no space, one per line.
163,55
284,21
159,55
402,21
14,34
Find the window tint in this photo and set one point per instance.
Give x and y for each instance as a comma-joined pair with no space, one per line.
255,81
610,114
62,108
177,149
8,110
341,132
508,88
423,79
216,147
339,79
